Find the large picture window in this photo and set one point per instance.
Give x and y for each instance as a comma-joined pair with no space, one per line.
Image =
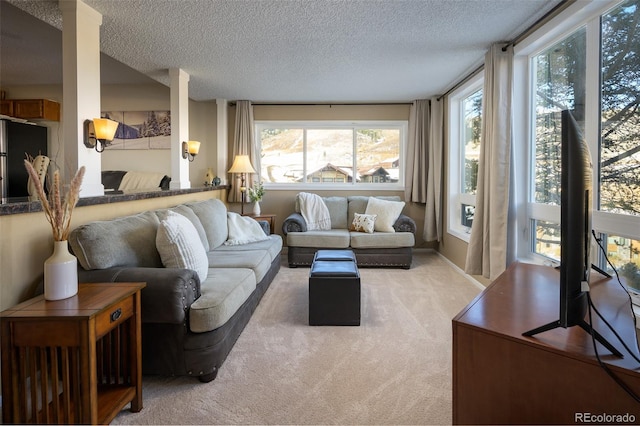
592,69
338,153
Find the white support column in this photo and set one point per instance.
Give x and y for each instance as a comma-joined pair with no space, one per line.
222,145
179,128
81,92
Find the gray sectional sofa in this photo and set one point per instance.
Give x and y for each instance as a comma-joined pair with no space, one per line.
189,324
377,249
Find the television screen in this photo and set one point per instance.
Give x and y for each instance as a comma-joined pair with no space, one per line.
575,222
575,231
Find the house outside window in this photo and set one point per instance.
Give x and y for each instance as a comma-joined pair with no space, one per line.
465,124
589,64
332,155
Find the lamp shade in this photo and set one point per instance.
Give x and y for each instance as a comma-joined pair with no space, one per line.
193,147
105,129
241,164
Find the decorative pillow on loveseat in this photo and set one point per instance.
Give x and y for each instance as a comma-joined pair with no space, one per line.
387,213
363,223
179,245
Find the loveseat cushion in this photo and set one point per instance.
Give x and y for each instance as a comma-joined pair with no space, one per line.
387,213
337,207
223,292
382,240
124,241
213,216
358,203
333,238
259,261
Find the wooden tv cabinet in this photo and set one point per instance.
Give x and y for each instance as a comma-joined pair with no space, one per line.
502,377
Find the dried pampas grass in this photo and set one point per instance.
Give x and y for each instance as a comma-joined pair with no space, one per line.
57,210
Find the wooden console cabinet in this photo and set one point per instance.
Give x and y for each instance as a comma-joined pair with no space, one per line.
501,377
75,360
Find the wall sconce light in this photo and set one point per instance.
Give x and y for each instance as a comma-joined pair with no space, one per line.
242,165
190,149
99,133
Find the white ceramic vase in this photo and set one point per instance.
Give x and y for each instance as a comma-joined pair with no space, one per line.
256,208
60,273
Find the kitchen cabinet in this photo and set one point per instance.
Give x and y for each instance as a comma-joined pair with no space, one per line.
29,109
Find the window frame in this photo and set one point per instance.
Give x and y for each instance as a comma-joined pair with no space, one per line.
576,16
401,125
456,155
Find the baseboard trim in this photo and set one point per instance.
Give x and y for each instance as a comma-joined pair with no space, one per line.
462,272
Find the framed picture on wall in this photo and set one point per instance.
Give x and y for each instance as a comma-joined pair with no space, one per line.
141,129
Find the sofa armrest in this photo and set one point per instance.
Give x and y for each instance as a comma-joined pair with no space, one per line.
166,298
405,224
294,223
266,227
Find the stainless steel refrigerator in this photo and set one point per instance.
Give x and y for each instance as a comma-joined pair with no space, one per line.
16,140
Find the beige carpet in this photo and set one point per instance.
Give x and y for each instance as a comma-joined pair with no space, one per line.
393,369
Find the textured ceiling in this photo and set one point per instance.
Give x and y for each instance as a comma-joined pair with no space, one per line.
275,50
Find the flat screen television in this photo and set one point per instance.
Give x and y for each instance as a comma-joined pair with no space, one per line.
575,231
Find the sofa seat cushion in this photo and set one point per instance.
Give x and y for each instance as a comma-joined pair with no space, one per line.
382,240
259,261
333,238
223,292
273,246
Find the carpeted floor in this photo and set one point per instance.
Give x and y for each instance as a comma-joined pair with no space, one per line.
393,369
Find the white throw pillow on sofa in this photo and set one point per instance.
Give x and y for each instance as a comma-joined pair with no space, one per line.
179,245
387,213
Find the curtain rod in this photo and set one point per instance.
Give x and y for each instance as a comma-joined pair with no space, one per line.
324,104
526,33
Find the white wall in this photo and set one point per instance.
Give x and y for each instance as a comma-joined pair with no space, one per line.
202,127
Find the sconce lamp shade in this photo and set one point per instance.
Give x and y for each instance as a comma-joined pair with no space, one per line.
99,133
190,149
194,147
241,164
105,129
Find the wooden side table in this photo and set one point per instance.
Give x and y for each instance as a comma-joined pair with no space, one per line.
76,360
271,218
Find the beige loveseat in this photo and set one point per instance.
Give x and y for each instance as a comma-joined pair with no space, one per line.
392,247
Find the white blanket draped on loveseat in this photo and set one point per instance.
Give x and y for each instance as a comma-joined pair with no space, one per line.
314,211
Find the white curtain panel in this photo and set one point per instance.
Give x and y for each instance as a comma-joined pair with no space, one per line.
423,178
243,144
487,252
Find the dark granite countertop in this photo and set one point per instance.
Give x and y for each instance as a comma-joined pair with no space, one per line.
23,205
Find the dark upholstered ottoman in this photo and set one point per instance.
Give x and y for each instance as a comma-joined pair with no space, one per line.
335,255
334,292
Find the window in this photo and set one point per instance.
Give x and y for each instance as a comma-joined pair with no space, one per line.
465,124
340,154
591,66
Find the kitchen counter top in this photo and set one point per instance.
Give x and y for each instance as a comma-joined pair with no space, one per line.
21,205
